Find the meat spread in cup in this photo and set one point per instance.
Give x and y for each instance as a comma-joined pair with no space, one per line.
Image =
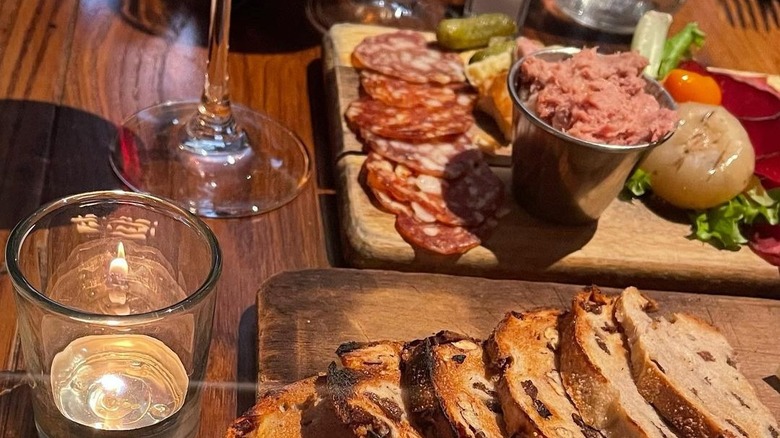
582,122
598,98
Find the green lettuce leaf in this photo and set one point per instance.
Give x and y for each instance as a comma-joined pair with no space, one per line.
638,184
722,226
680,46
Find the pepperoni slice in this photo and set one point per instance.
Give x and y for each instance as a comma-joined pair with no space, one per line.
436,237
405,55
465,201
403,94
411,124
445,159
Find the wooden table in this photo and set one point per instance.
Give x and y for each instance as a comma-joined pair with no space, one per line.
71,70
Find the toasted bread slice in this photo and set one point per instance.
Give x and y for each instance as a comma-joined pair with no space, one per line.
524,347
596,372
685,368
299,410
366,392
450,391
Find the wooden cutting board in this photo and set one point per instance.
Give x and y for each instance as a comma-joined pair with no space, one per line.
629,244
304,315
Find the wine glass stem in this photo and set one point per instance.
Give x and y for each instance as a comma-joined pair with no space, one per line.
216,94
214,129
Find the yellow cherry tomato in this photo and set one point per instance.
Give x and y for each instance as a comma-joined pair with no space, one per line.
688,86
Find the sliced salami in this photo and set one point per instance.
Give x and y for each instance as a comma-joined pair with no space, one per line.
411,124
403,94
445,159
405,55
436,237
465,201
388,204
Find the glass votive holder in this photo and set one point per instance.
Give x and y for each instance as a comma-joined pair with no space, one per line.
115,301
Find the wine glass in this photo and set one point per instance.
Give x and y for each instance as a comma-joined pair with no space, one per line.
214,158
409,14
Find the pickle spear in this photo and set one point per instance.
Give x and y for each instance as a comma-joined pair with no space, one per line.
473,32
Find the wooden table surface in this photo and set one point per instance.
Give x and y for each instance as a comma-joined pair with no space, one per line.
71,70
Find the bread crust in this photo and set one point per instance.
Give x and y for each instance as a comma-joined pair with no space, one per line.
601,400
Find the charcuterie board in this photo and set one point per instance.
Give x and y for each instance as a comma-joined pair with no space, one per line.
304,315
629,244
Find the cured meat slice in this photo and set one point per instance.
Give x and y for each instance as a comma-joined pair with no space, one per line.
405,55
465,201
389,204
436,237
412,124
765,241
445,159
403,94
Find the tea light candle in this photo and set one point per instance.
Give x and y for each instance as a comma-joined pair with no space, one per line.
115,314
123,395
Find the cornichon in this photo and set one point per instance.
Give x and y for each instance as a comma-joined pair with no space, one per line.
495,49
473,32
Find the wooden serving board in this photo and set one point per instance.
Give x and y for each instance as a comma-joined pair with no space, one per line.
629,244
304,315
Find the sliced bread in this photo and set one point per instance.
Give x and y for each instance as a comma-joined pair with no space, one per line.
450,391
524,347
596,372
366,392
686,369
299,410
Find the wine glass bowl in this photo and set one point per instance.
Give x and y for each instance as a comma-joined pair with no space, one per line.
213,158
152,155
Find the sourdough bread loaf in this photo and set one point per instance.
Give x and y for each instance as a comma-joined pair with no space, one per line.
596,372
686,369
367,393
450,390
524,347
299,410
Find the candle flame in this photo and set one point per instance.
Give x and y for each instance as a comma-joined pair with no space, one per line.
118,266
117,281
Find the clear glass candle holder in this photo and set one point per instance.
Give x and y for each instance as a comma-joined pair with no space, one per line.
115,301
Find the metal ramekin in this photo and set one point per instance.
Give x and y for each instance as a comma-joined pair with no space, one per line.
561,178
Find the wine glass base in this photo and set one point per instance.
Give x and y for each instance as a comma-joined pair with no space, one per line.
407,14
148,157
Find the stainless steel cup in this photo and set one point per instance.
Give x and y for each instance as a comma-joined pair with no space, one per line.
561,178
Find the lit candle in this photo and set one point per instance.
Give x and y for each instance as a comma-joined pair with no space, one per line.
117,275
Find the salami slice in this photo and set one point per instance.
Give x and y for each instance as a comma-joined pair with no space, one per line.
388,204
436,237
411,124
403,94
405,55
445,159
465,201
